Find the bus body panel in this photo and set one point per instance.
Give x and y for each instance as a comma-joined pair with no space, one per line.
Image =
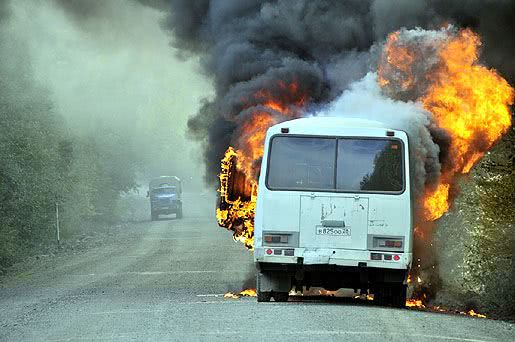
319,227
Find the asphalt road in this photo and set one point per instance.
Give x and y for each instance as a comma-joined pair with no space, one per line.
165,280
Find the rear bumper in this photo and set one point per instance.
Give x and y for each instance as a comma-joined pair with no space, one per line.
339,257
170,208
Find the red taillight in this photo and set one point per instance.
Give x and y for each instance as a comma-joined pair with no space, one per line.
396,257
393,243
269,251
276,238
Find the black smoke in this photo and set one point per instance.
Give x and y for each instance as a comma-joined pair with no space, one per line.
248,44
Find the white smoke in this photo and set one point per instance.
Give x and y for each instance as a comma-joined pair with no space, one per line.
364,99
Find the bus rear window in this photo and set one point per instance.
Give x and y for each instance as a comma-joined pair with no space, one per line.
335,164
369,165
300,163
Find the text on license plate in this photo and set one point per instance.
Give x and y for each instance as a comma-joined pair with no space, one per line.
332,231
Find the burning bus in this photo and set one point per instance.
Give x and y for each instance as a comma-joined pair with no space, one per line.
334,209
347,220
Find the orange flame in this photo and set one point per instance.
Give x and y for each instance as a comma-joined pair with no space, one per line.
244,293
253,132
466,99
399,60
418,304
473,314
415,303
237,214
436,202
288,101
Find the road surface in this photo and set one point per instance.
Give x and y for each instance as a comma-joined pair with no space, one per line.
165,280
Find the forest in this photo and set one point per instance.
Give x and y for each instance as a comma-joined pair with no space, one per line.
76,128
85,155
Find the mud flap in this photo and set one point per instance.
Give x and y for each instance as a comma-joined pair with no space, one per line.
273,282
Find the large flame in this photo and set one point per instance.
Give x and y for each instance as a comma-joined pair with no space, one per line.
253,136
235,214
268,108
236,209
471,103
466,99
398,63
436,202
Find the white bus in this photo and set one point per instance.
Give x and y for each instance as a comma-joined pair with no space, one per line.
334,209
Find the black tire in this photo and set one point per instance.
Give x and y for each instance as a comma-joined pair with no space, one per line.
380,296
154,217
263,296
391,295
178,214
398,295
281,296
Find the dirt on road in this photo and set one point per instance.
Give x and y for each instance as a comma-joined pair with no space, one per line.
165,280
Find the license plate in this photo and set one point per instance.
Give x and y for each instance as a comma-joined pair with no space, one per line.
332,231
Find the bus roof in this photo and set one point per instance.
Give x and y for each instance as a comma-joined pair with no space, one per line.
324,125
332,120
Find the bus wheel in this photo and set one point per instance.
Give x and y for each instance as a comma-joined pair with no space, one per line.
281,296
264,296
398,295
380,295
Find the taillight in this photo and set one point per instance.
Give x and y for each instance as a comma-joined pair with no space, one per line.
392,243
387,243
376,256
277,238
274,238
385,257
280,251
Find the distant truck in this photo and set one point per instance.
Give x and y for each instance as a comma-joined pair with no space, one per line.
165,197
334,209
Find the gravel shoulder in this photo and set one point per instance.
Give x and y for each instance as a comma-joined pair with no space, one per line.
165,280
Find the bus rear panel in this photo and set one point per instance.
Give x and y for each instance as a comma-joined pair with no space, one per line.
334,209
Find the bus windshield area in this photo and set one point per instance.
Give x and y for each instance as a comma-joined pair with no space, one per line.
336,164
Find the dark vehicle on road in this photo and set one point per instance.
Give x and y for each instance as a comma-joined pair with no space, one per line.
165,197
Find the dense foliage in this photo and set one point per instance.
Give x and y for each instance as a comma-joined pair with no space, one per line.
476,240
42,163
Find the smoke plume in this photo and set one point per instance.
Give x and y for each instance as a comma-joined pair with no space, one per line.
365,100
328,52
246,45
